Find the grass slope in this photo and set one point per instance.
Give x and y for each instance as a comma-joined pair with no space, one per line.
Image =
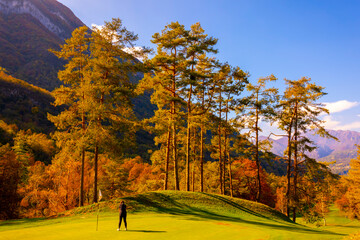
177,215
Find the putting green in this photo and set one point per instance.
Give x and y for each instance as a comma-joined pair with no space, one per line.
236,219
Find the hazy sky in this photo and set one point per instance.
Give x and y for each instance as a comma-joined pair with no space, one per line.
290,39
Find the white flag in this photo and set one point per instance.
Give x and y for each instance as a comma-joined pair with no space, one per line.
100,195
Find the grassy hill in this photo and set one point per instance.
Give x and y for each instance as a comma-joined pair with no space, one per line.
177,215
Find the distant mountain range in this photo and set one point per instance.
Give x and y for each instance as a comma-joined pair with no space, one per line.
329,150
28,28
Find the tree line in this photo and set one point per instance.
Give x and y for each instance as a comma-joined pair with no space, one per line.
205,110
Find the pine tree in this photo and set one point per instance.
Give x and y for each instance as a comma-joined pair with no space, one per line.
198,45
168,68
203,103
300,112
260,107
74,94
111,69
229,82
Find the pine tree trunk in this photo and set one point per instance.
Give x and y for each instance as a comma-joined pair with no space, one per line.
166,180
220,161
295,162
193,177
95,198
258,196
173,114
225,146
202,159
194,160
219,147
188,156
288,174
188,140
176,171
81,198
230,177
224,166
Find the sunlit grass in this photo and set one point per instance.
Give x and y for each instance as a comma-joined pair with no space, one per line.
178,215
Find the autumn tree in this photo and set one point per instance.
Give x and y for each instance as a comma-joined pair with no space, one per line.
10,180
351,206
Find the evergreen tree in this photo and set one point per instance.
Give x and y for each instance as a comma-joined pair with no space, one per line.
198,45
260,107
74,94
168,68
229,82
111,89
300,112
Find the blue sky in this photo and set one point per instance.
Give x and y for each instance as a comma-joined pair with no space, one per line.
290,39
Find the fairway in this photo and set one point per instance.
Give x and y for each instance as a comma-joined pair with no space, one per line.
180,218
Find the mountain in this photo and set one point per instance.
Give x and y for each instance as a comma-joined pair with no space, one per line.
28,28
329,150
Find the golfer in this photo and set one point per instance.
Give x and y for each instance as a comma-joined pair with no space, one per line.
122,211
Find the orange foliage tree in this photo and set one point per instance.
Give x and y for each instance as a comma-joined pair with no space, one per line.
9,180
244,182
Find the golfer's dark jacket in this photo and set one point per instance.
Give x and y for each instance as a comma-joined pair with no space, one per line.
122,208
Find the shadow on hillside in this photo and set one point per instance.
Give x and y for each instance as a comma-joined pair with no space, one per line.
162,203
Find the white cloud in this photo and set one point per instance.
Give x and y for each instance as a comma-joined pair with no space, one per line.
95,26
136,52
350,126
330,123
340,106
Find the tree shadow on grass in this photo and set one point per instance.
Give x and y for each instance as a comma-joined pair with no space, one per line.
21,221
342,226
28,222
146,231
162,203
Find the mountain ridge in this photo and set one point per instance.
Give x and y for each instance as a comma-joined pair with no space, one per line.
329,150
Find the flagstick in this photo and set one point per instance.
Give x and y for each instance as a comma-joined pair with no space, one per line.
98,205
97,218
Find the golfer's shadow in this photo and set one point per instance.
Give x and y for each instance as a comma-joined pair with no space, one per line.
146,231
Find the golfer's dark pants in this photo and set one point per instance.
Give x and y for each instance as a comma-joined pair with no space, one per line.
122,216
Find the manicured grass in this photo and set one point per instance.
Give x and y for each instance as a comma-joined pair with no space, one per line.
178,215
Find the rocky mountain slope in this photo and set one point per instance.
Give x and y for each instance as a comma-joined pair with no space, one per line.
28,28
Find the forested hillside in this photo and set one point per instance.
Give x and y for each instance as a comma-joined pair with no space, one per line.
25,105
